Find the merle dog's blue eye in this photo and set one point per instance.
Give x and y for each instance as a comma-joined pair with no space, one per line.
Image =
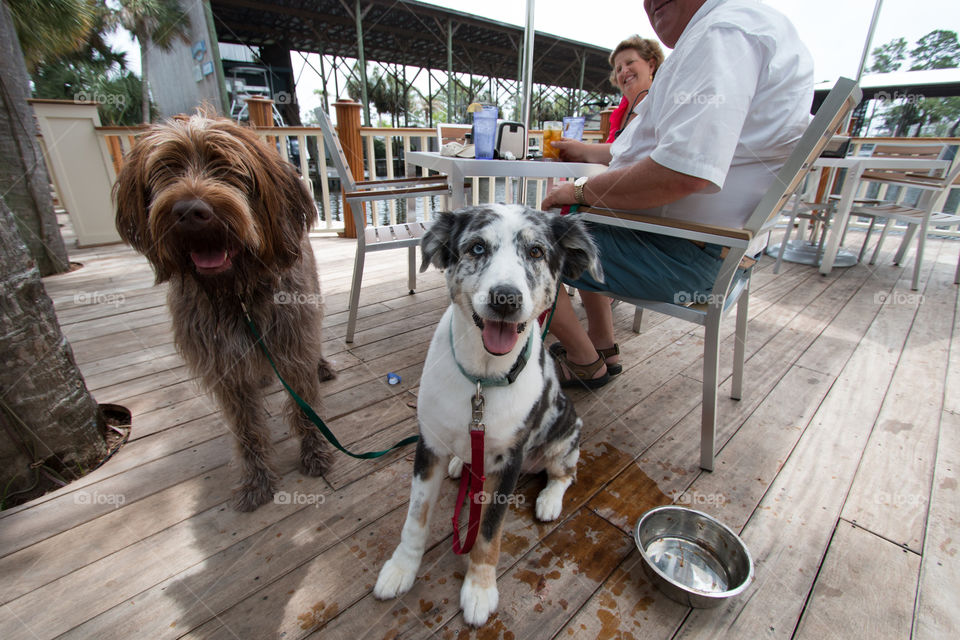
478,249
535,252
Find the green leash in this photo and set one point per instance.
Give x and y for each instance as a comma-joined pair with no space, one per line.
318,421
308,410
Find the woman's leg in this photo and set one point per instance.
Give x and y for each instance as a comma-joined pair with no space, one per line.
568,330
599,321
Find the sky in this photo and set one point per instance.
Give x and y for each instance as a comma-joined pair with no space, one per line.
833,30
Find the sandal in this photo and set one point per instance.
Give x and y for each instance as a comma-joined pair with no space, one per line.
613,368
582,373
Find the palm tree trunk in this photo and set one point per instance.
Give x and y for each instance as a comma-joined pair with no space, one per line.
23,175
144,84
46,412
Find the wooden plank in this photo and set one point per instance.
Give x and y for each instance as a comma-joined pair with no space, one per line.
790,530
107,364
831,350
441,571
626,607
289,555
865,589
672,462
33,567
539,592
78,503
936,614
128,341
892,487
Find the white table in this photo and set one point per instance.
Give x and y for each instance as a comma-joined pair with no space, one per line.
458,169
855,167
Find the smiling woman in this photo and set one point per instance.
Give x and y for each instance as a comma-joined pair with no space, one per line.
634,64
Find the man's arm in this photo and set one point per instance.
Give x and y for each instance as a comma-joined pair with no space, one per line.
575,151
642,185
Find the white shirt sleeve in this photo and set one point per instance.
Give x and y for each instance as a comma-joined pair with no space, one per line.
704,108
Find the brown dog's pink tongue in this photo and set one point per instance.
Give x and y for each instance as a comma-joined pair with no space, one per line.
209,259
499,337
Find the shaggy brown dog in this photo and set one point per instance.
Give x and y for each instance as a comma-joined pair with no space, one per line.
220,215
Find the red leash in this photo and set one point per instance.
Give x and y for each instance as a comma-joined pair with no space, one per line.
471,480
472,477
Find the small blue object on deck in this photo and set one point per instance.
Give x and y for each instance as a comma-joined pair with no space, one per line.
393,378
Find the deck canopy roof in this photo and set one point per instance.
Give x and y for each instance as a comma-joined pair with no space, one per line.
410,33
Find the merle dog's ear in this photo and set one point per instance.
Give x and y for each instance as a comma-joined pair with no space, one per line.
440,243
578,250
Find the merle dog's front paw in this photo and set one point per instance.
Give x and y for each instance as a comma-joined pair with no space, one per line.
394,580
478,601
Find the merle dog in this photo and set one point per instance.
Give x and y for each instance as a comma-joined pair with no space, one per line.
503,264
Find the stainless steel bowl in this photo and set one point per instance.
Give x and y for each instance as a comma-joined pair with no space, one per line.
692,557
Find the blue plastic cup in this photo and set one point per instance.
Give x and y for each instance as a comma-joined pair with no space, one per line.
573,127
484,132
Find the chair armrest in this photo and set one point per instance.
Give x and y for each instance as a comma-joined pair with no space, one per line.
401,181
396,192
695,231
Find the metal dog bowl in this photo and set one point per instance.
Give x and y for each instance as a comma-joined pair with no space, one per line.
692,557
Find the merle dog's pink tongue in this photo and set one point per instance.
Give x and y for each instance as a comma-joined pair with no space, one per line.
499,337
209,259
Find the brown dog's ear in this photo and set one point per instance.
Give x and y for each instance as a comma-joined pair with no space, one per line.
285,210
131,196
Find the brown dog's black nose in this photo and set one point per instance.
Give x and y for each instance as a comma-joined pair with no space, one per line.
193,213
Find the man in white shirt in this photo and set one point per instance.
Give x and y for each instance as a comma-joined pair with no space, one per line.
723,114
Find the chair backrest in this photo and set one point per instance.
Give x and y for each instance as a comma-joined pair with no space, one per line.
844,96
332,142
449,132
929,150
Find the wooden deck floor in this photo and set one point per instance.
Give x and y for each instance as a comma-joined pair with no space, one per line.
839,467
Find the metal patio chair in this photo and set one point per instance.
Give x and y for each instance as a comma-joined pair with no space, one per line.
748,241
377,237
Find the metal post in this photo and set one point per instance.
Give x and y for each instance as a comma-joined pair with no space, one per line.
323,79
583,72
362,62
864,54
528,34
449,71
869,41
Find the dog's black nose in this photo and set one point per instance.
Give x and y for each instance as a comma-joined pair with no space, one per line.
505,299
193,213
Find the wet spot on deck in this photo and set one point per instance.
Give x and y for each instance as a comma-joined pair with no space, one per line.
318,614
896,426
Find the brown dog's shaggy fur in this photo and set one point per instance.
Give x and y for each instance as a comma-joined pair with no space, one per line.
223,218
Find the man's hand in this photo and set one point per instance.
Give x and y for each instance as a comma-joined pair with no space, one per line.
560,195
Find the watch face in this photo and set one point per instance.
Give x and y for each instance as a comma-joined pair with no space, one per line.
579,182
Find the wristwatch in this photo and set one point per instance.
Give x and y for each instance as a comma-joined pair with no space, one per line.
578,185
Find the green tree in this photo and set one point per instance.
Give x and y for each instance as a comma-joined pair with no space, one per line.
889,57
914,114
154,23
938,49
95,71
48,29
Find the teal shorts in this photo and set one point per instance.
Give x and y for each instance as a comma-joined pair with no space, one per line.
647,266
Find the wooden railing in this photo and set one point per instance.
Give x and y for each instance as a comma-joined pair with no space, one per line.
296,145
